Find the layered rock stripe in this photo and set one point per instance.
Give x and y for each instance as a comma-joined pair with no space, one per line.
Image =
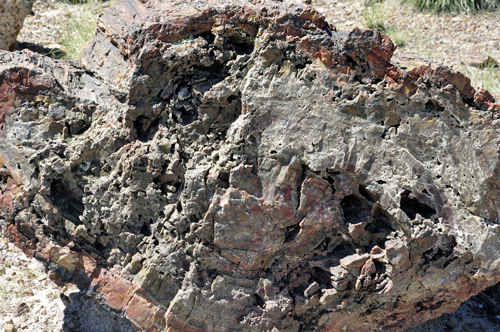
244,166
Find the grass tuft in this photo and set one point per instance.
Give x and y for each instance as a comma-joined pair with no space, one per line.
80,25
455,5
376,14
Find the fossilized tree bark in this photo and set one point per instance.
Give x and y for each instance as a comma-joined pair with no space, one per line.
243,166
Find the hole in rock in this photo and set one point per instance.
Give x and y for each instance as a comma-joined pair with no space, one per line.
331,181
208,36
243,48
291,232
187,116
411,206
355,210
432,106
232,98
143,125
380,222
260,301
300,66
223,180
145,230
63,198
322,277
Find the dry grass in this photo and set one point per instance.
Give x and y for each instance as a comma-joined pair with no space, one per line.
455,5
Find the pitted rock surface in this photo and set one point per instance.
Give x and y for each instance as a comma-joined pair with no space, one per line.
243,166
12,15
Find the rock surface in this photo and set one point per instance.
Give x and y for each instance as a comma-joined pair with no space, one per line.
12,15
243,166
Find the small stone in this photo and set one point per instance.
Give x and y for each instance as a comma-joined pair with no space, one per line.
359,234
369,268
21,309
377,252
338,272
28,292
313,288
329,296
353,263
9,328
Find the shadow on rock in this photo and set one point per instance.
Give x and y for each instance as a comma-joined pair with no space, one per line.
84,314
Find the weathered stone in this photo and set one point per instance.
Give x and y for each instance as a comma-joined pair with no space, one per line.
12,15
9,328
479,59
222,165
313,288
354,263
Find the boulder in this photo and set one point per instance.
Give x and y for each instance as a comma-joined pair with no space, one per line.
243,166
12,15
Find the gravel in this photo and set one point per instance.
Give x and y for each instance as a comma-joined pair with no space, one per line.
29,301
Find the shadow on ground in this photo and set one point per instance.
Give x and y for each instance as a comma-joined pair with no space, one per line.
54,53
85,314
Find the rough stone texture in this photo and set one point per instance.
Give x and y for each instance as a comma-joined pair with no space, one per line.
243,166
12,15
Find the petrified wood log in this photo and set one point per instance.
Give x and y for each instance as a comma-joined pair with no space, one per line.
243,166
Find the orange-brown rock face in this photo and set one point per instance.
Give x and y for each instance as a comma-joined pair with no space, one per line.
243,166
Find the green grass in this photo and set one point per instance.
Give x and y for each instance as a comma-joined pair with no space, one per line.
375,15
455,5
80,26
